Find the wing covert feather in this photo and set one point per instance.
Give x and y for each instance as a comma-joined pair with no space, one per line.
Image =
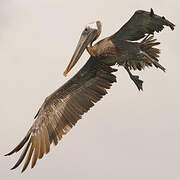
141,23
63,108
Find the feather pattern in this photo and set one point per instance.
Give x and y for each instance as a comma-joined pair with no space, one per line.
141,23
61,110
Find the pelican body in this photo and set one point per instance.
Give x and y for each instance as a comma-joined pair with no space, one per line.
63,108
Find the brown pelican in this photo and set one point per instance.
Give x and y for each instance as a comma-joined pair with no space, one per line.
63,108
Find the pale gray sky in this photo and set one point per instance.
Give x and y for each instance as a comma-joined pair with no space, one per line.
129,135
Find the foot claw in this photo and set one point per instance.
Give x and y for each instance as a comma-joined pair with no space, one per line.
135,78
138,82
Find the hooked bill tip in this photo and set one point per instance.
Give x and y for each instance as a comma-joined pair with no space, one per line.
65,73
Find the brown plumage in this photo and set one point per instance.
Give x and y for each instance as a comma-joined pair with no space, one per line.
63,108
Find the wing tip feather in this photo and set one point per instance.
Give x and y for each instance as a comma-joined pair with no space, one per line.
20,145
151,12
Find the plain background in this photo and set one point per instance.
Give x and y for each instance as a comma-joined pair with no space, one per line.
129,135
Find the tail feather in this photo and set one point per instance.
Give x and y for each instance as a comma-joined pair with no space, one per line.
150,52
154,61
146,56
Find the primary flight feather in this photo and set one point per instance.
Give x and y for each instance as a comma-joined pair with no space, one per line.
63,108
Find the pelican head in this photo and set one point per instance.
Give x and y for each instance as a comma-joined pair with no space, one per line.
88,36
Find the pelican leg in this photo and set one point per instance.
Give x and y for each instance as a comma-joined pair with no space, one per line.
135,78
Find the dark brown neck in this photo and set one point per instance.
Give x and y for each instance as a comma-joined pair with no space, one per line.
90,49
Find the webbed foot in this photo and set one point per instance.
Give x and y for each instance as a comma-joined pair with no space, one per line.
138,82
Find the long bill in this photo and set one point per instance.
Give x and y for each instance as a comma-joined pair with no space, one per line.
86,37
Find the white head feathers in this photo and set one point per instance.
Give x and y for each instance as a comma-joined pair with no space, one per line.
92,25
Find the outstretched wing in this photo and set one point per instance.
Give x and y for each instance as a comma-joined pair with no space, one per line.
142,23
61,110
